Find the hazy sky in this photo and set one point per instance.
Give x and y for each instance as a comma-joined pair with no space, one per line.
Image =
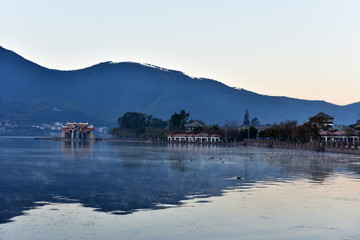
306,49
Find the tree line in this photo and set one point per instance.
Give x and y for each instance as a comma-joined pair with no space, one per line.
139,125
290,130
144,126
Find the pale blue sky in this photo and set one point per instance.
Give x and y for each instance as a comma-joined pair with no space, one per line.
305,49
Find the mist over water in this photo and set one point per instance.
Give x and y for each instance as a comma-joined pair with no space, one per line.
98,190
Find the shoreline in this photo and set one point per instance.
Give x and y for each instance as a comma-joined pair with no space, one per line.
341,148
330,147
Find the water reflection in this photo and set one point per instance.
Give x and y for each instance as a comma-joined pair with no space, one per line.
74,149
121,178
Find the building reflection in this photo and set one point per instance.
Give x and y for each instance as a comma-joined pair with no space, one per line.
76,149
192,146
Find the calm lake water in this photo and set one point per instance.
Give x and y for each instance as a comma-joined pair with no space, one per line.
107,190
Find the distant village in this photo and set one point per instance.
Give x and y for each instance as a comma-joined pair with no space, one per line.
11,128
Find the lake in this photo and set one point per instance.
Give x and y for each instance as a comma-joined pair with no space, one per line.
113,190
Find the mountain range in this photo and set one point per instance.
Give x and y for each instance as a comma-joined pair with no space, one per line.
33,94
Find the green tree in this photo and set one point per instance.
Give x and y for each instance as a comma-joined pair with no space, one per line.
178,120
133,121
114,132
255,121
302,133
214,127
154,133
285,130
271,132
232,134
134,124
315,126
251,132
158,123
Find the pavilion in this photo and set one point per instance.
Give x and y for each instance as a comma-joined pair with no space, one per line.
77,131
322,119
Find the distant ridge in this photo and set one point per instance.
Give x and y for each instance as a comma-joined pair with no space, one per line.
101,93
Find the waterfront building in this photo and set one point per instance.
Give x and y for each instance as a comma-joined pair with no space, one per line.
322,119
340,136
77,131
193,125
201,137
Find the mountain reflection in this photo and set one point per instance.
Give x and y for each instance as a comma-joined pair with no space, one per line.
124,177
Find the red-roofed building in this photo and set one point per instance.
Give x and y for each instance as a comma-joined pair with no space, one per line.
77,131
340,136
201,137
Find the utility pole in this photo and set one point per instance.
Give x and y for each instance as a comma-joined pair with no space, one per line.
225,135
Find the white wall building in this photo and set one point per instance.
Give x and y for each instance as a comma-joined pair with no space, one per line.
201,137
340,136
